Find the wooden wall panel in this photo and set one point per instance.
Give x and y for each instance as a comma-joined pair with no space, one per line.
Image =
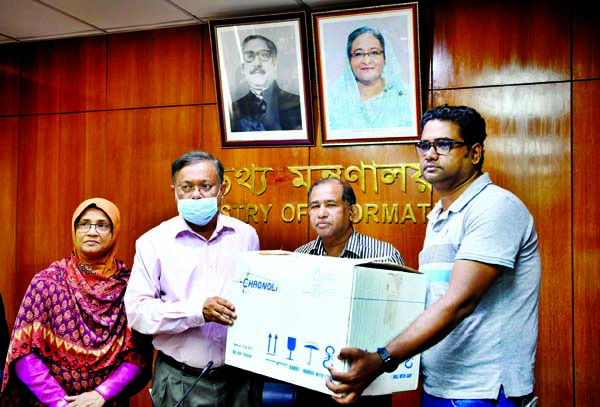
207,68
9,159
586,40
156,67
528,152
9,80
586,242
500,42
141,145
63,75
61,163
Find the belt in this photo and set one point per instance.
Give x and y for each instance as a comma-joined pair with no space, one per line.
216,373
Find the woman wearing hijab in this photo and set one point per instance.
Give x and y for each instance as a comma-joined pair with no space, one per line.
370,93
71,345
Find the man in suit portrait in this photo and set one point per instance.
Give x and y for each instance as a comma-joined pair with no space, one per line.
266,106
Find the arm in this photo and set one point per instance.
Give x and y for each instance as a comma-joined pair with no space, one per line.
118,380
469,282
110,388
35,374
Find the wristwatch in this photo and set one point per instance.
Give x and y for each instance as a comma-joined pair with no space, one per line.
389,362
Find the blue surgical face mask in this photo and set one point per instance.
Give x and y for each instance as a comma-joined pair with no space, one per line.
197,211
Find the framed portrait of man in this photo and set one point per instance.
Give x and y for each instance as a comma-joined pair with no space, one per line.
262,78
368,74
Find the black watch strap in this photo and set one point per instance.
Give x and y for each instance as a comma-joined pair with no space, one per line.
389,362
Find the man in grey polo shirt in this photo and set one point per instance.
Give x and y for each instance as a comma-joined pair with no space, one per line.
478,333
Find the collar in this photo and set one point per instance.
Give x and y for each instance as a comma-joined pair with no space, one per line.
472,190
352,249
181,227
266,94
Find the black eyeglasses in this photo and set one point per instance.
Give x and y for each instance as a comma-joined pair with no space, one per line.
263,55
441,146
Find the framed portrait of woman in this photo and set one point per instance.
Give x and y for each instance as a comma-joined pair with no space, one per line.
261,72
368,74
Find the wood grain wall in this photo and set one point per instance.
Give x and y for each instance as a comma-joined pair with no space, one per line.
106,116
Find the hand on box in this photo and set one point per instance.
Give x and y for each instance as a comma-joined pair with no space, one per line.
219,310
364,368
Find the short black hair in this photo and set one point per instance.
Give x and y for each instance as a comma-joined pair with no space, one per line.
471,125
192,157
348,195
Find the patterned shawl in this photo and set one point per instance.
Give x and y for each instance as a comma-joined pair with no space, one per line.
75,323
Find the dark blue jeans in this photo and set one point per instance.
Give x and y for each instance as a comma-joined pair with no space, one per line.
502,401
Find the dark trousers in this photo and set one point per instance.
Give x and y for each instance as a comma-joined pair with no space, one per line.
226,386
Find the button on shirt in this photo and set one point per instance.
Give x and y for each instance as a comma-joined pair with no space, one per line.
359,246
174,271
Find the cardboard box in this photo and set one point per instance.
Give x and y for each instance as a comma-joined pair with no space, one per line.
296,311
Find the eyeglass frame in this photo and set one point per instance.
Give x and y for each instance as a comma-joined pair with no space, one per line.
371,54
451,145
78,226
258,54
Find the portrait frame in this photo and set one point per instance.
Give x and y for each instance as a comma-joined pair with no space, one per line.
240,125
355,106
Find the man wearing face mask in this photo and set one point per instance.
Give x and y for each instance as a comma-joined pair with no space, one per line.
266,106
180,280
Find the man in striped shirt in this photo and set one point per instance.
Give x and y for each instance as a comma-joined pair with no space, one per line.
332,208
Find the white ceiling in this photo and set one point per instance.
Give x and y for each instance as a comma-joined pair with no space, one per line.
32,20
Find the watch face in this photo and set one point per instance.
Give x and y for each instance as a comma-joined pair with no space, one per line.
389,362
